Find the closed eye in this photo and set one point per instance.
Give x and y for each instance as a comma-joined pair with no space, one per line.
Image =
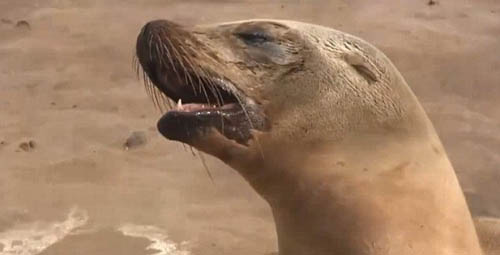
254,38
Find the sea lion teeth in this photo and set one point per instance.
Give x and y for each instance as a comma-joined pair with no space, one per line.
179,104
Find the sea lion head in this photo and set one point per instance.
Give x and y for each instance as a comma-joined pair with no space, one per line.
321,124
250,88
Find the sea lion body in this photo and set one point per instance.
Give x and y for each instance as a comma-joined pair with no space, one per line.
333,137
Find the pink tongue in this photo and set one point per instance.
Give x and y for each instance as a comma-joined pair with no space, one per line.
193,107
228,106
199,107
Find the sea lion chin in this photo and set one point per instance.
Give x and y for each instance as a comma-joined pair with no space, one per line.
321,124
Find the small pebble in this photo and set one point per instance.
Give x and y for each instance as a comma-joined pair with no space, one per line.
6,21
136,139
23,24
16,243
27,146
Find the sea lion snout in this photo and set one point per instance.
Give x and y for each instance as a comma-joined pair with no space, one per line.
159,26
159,23
179,64
157,41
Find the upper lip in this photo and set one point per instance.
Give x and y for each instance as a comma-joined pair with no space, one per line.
181,81
195,89
174,74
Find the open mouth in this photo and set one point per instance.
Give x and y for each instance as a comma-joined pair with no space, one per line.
203,99
201,106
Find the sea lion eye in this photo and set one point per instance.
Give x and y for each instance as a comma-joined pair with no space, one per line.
254,38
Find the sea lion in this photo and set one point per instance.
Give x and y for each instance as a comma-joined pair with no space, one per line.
321,124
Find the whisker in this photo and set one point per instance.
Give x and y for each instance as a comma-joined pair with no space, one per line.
154,93
247,116
209,82
152,90
169,103
150,41
158,54
195,69
169,56
158,100
192,151
202,159
215,92
181,62
134,63
148,88
190,64
183,146
137,68
177,57
200,80
146,85
222,101
213,87
219,88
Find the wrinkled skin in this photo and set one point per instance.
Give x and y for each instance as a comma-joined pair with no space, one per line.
323,127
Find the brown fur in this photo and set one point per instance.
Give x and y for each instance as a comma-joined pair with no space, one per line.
351,164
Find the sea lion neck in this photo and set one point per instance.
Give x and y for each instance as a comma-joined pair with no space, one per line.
353,156
332,199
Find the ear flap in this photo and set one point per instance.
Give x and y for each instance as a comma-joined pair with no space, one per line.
361,66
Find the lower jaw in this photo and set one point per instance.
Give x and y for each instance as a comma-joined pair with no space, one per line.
190,122
187,126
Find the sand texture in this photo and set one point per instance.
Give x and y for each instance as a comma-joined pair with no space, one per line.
83,169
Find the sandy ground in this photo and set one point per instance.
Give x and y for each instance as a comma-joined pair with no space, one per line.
69,101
